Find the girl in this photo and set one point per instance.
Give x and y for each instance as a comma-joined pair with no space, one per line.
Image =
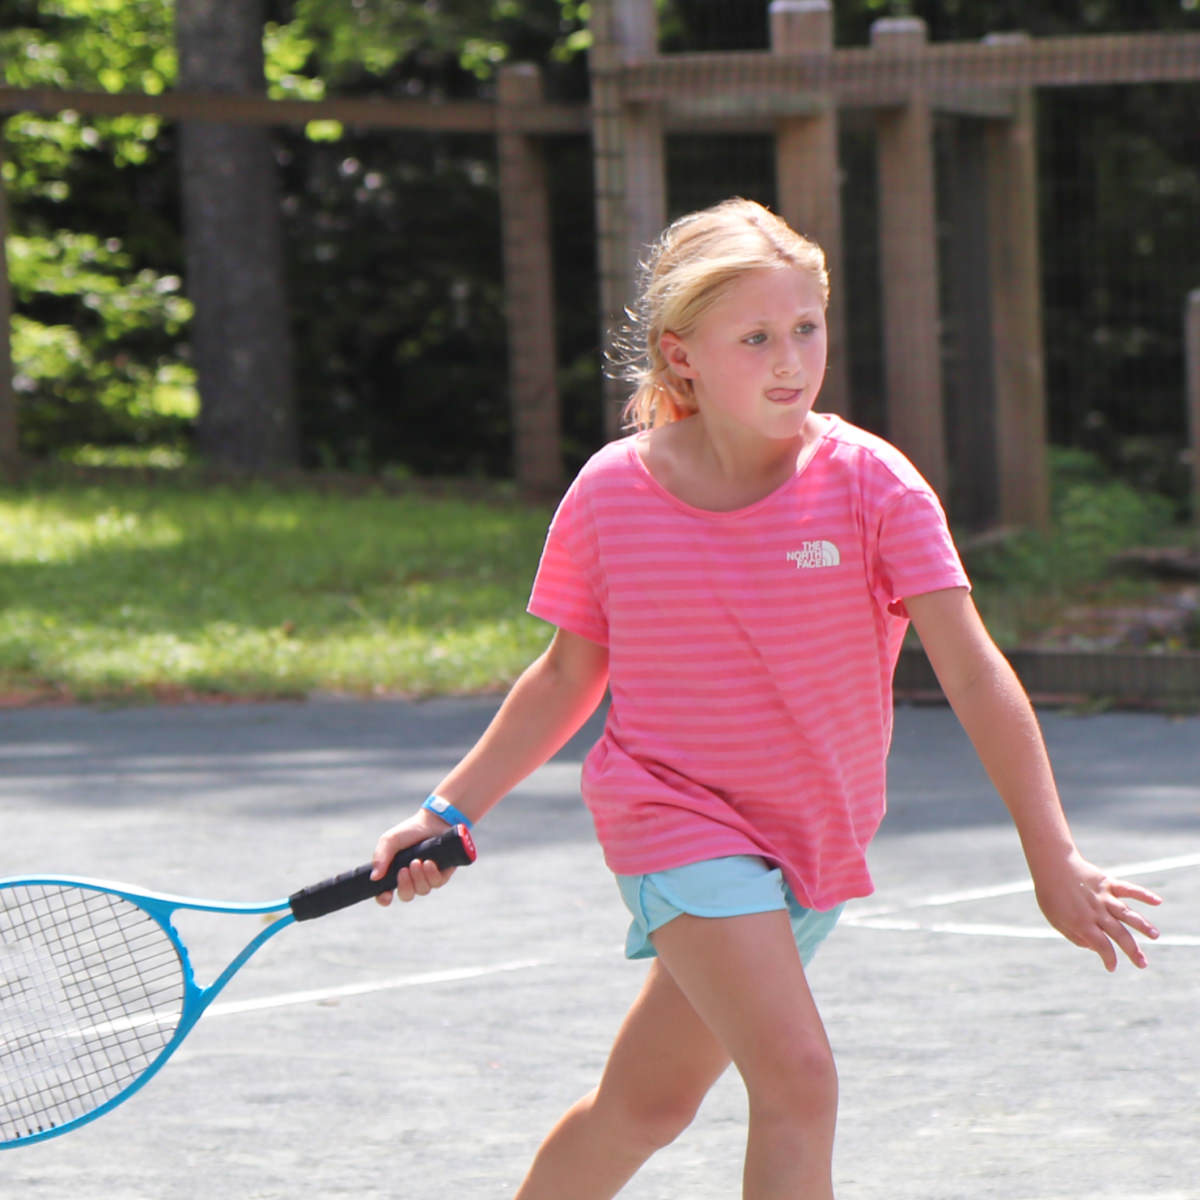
739,574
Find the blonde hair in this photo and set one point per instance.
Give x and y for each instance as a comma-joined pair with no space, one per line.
687,271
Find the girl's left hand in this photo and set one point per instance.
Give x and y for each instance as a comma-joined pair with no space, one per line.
1089,909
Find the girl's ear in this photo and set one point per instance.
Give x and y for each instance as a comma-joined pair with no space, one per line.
675,351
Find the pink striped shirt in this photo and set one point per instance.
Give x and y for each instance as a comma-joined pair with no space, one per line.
751,655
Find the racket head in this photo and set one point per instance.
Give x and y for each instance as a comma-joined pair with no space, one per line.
96,991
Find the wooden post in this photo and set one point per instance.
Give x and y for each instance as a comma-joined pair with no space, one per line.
806,178
528,289
9,424
1022,459
630,175
909,265
968,375
1191,343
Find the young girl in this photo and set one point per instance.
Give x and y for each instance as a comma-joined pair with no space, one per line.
739,574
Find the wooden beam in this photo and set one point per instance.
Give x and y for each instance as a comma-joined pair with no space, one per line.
752,85
425,116
858,76
758,112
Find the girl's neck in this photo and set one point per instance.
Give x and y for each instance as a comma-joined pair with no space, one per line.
722,472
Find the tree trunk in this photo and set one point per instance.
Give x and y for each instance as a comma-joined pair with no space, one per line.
9,420
241,343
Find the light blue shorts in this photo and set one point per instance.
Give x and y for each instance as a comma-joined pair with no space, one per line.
719,887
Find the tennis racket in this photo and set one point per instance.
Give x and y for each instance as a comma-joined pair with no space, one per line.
97,990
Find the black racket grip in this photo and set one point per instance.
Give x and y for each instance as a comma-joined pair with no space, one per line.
451,849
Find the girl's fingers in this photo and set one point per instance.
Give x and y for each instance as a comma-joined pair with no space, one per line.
1126,941
1110,924
419,879
1134,919
1104,948
1132,891
1122,919
385,850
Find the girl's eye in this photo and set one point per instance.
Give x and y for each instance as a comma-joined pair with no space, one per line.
807,328
755,339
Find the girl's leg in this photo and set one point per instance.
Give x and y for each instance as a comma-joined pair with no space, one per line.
744,979
661,1066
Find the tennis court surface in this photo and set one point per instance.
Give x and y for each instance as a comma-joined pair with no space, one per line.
424,1051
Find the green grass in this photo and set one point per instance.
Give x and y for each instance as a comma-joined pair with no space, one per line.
129,591
136,591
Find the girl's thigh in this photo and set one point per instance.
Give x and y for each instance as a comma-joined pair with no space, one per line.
743,978
665,1057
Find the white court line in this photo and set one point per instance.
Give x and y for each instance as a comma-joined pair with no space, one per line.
317,995
982,929
1147,867
886,917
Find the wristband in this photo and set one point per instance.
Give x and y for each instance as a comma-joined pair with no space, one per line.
447,811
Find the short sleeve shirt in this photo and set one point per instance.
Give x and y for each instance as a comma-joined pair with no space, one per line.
751,655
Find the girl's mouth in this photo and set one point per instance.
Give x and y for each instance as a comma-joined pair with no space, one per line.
784,395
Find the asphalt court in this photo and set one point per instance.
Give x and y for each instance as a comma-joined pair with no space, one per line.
424,1051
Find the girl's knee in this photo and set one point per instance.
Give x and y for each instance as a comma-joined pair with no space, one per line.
652,1118
798,1082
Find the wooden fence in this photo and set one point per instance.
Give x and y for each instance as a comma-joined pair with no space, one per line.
798,91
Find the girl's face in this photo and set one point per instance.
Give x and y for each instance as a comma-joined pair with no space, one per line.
757,357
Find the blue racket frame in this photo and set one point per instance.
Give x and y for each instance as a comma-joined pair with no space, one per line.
162,907
453,848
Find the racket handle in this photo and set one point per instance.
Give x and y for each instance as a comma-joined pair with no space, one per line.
451,849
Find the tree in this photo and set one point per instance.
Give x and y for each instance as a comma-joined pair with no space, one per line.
241,342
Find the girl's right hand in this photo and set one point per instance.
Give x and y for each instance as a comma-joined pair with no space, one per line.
419,878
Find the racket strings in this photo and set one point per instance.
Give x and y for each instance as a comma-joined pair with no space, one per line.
91,990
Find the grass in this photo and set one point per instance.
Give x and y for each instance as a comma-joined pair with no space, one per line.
132,591
127,590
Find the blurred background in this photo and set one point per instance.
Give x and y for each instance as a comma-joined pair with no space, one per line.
196,286
391,239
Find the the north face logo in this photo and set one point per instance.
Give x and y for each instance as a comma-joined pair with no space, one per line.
815,554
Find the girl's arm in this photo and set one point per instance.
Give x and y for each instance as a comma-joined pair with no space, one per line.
547,704
1081,901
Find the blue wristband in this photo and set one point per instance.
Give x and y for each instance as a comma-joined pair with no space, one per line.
447,811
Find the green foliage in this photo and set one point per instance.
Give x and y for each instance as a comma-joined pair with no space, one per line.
1023,578
100,322
1094,518
1119,218
90,370
445,50
112,45
396,283
966,20
395,269
1096,515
